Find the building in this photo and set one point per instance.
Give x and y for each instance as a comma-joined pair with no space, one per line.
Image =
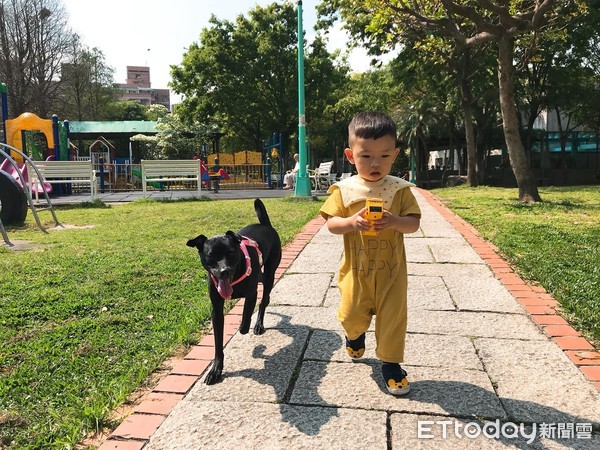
139,89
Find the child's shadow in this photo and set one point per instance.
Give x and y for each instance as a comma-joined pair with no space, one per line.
282,369
460,399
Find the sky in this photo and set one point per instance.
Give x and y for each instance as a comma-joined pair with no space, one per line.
155,33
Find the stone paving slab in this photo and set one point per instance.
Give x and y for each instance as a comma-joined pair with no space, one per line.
407,433
483,324
423,293
434,225
318,259
256,368
487,294
472,354
452,250
474,271
293,289
428,293
332,297
324,236
421,350
465,393
537,382
418,251
232,426
299,316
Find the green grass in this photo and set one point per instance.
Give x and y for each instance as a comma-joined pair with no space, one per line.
555,243
90,312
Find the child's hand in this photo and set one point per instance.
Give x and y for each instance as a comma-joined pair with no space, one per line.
404,224
359,223
387,221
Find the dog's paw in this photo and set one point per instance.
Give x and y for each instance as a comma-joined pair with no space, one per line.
213,376
259,329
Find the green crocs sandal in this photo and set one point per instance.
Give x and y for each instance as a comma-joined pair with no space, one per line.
395,378
356,347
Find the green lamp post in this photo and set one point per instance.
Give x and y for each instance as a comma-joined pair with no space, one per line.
302,188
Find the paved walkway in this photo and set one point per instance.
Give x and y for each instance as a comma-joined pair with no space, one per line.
484,350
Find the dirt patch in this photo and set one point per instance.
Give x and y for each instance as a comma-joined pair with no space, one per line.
18,246
66,226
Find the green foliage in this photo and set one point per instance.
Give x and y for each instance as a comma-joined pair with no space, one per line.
156,112
127,110
94,308
555,243
179,140
242,76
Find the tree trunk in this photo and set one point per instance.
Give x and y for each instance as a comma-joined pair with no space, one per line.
528,191
466,102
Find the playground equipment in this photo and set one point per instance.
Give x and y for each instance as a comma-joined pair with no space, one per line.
56,135
12,199
13,209
217,174
10,170
273,150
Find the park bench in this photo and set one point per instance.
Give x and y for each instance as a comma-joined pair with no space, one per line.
321,177
166,171
63,172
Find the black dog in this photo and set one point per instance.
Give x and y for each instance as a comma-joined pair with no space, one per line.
233,262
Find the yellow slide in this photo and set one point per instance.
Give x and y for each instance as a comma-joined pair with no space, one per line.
27,122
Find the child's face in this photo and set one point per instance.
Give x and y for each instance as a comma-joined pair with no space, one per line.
373,158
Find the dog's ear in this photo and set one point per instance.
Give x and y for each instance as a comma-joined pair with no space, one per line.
197,242
234,236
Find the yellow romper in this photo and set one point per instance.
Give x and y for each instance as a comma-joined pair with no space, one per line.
373,276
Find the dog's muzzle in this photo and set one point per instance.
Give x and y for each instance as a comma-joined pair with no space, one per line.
224,286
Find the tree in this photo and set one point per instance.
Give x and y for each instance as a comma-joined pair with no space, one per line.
242,76
156,112
490,22
34,41
174,140
127,110
574,84
326,81
87,85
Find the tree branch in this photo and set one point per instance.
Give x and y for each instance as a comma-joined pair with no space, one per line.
471,14
506,18
539,14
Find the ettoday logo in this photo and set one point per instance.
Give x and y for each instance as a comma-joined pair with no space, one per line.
431,429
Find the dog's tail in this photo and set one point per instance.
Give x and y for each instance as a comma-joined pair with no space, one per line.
261,213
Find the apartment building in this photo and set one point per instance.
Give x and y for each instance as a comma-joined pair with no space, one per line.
138,88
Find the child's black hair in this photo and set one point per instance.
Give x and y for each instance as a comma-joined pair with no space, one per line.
371,125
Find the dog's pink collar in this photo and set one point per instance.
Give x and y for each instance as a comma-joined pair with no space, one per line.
243,245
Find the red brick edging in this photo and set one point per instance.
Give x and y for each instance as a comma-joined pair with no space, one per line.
135,431
540,305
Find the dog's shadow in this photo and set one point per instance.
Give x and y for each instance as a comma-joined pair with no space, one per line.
282,369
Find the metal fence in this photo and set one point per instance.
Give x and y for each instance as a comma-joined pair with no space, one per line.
128,177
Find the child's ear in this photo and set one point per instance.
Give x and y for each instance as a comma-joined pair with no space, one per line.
349,155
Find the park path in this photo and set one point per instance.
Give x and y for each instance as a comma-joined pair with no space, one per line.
484,350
